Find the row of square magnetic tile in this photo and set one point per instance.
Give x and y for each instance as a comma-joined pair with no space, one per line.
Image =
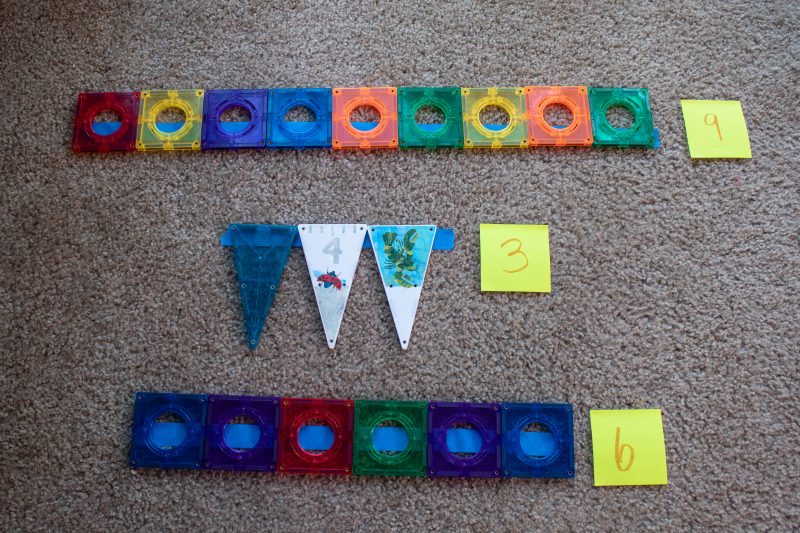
280,419
397,127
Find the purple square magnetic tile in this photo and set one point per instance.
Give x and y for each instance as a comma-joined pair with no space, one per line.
480,419
232,135
242,433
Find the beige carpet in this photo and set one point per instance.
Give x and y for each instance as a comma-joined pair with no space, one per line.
675,282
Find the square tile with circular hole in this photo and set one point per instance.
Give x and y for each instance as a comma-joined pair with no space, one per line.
242,433
234,119
390,438
299,118
106,122
464,439
168,430
558,116
621,117
537,440
315,436
430,117
170,120
494,117
364,118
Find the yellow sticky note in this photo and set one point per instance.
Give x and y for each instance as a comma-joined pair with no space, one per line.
715,129
515,258
628,447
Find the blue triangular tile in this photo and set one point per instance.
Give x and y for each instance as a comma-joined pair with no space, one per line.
260,252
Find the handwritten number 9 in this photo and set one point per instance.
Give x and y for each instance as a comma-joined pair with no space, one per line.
714,122
518,251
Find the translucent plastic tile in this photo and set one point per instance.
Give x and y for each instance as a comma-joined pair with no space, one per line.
390,438
537,440
542,133
635,101
347,135
234,444
290,134
155,135
87,136
168,430
336,415
477,134
448,134
260,253
230,135
481,418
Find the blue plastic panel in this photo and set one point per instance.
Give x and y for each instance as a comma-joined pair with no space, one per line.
445,239
107,128
241,435
384,439
315,437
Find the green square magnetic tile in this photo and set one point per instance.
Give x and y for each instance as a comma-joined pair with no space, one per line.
635,101
372,415
447,100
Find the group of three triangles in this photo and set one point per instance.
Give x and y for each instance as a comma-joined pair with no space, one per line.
332,252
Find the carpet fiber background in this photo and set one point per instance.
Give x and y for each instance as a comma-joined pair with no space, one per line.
675,282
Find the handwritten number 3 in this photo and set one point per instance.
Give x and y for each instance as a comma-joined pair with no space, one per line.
714,122
518,251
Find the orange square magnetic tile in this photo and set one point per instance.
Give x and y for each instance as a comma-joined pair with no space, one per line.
542,133
345,135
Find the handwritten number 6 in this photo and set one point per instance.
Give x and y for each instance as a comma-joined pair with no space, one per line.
714,122
619,452
518,251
